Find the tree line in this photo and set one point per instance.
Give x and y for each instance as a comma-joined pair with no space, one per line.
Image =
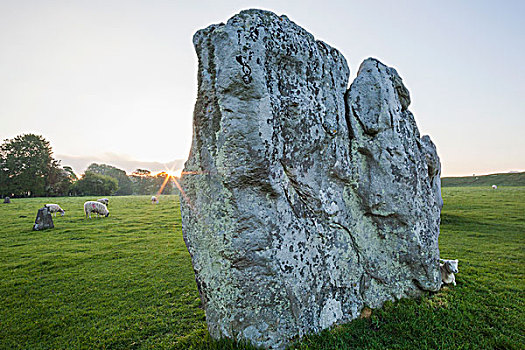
28,169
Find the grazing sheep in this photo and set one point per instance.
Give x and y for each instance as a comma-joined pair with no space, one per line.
54,209
448,269
154,200
104,201
494,187
95,207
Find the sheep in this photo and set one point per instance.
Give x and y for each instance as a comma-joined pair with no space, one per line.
448,268
154,200
104,201
494,187
54,208
95,207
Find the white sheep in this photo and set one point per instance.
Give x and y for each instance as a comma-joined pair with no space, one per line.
154,200
104,201
494,187
54,209
95,207
448,268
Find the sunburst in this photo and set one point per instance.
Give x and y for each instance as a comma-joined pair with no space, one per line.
171,174
175,175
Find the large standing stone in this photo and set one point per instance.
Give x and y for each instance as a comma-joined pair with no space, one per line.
43,220
303,202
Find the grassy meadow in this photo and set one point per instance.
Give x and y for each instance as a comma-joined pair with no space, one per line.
126,281
120,282
505,179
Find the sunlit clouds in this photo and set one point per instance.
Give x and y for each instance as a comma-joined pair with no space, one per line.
121,161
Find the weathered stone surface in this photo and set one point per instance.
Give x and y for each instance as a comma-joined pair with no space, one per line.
303,201
399,185
43,220
7,200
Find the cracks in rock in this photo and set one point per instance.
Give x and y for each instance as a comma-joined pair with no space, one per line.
292,206
377,278
351,134
337,111
363,285
367,274
380,215
367,131
418,285
352,239
215,111
296,187
391,120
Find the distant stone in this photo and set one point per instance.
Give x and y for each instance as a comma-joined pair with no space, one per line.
44,220
7,200
304,202
366,312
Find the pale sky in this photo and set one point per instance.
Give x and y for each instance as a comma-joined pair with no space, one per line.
115,81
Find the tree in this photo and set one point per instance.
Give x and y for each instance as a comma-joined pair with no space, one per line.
125,186
25,165
142,182
164,183
70,173
59,182
145,183
141,172
93,184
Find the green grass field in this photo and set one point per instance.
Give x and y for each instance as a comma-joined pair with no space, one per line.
505,179
126,281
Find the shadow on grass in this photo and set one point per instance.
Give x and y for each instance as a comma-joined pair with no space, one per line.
201,340
461,223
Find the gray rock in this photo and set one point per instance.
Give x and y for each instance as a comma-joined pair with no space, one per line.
43,220
7,200
398,176
303,202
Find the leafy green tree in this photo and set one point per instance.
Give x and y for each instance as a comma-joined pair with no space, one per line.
164,182
146,183
141,172
59,182
93,184
26,163
125,186
142,182
4,178
70,173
